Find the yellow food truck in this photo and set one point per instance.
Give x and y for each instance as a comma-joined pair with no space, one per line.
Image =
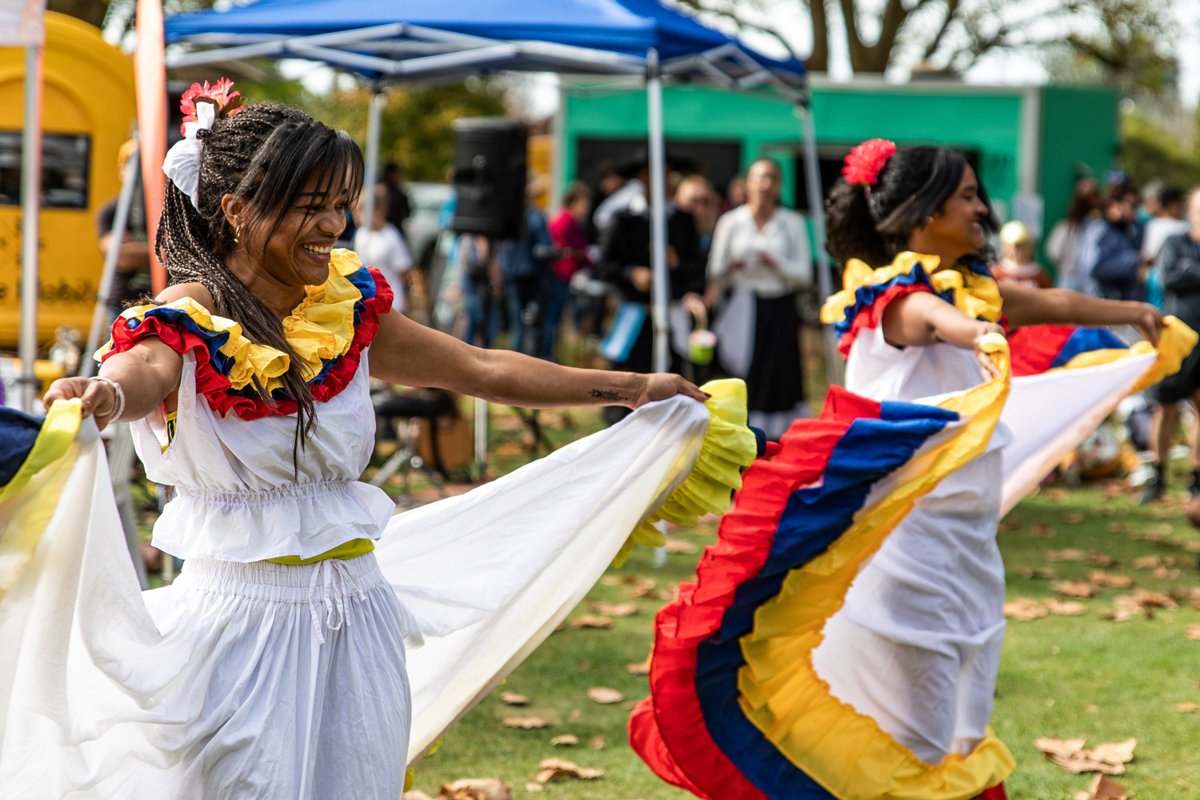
88,111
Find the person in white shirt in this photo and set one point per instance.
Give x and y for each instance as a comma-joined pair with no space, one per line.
760,252
383,247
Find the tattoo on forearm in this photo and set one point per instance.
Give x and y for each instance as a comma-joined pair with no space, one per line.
605,394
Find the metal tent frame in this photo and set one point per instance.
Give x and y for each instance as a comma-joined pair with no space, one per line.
406,53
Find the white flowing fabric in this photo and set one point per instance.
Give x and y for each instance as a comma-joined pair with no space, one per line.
916,645
216,686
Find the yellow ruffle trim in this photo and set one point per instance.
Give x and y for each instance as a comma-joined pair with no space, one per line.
319,329
728,447
977,296
782,694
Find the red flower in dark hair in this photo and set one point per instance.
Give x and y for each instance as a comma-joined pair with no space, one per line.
219,94
865,162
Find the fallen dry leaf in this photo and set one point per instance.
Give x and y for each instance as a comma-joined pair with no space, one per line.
514,699
1118,615
1104,788
1163,512
604,695
1008,526
1102,578
596,743
1042,573
1056,494
1067,608
1024,609
526,722
1076,588
1091,708
614,609
533,786
611,580
1044,531
1102,560
1066,555
1192,547
1072,517
552,768
1146,599
1187,708
680,546
475,789
1109,757
591,621
566,740
1193,632
640,668
1118,527
415,794
1164,574
641,588
1147,562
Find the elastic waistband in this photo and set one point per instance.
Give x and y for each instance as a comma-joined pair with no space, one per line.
295,491
282,583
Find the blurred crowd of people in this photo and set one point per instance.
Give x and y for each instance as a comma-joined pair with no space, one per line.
736,261
1121,243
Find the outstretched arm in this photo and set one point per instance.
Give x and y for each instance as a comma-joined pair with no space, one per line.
409,354
922,319
1027,306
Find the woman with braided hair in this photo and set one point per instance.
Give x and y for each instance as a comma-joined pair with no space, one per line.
275,665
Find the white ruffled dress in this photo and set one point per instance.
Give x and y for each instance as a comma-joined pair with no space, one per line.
248,678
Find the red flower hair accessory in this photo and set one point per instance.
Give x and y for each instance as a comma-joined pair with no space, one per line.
226,102
865,162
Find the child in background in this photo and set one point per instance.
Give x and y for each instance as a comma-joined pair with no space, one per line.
1018,247
383,247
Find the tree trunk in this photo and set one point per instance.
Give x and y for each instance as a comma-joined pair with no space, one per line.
866,58
818,60
90,11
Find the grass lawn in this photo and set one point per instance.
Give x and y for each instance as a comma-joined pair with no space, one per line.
1060,676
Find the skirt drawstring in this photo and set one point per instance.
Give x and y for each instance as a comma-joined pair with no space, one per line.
328,584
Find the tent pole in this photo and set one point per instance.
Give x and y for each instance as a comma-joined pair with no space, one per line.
658,214
374,113
816,206
120,225
31,189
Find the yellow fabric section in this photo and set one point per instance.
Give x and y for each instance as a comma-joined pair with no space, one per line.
172,420
977,296
57,433
728,446
28,502
351,549
1175,342
320,328
781,693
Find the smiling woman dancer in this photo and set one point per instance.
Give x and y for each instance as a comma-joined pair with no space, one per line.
843,637
274,667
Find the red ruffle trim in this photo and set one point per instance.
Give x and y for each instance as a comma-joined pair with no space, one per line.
216,387
871,316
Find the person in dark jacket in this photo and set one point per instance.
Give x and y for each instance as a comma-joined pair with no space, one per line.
1113,247
1179,268
626,264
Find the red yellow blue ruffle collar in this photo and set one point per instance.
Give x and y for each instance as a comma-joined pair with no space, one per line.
327,332
866,292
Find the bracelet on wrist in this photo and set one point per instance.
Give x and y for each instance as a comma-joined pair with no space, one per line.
118,396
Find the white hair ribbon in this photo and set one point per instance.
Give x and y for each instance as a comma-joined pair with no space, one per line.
182,163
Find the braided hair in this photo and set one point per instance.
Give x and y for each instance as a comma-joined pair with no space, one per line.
874,225
265,153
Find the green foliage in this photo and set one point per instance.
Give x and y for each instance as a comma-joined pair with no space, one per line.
417,125
1150,152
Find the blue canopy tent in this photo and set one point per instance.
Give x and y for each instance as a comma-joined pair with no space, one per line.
424,40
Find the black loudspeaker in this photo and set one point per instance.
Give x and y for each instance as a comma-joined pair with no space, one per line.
489,177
